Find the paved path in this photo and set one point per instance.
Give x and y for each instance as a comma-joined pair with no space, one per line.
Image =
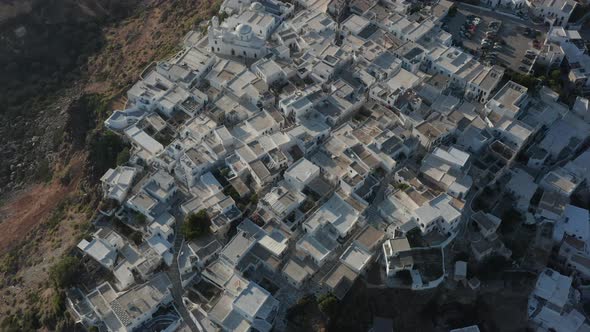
496,12
177,289
372,211
174,275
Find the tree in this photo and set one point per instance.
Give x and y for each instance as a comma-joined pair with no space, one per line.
452,11
402,186
415,8
222,16
232,192
57,304
140,218
103,151
225,172
123,156
298,312
527,81
328,304
196,225
137,238
54,310
254,199
555,74
63,274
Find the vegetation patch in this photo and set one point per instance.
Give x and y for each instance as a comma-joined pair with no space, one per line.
196,225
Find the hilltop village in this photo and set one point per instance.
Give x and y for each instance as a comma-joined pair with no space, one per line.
301,149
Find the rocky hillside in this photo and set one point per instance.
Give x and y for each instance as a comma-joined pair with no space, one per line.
44,49
56,50
64,65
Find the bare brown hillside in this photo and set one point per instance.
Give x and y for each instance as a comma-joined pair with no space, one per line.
148,36
54,137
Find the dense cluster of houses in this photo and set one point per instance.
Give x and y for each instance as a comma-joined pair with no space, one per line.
317,146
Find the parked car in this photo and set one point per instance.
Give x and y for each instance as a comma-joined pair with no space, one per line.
526,61
523,68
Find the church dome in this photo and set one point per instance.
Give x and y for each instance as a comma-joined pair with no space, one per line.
243,29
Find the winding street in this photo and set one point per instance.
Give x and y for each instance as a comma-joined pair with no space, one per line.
174,274
372,211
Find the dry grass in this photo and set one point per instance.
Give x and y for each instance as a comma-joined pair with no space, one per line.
39,227
31,207
44,221
148,36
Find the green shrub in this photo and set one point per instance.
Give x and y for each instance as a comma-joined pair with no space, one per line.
328,304
104,150
123,156
452,11
65,272
196,225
